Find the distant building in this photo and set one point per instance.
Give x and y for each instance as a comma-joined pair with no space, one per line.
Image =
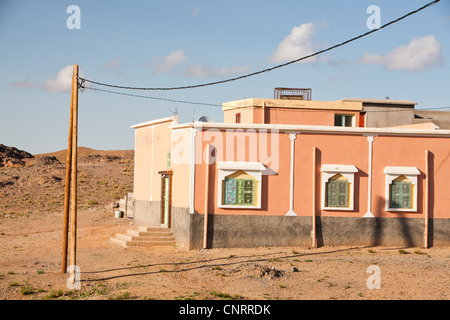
296,172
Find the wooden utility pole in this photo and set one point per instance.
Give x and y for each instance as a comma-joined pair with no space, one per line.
73,183
67,189
70,203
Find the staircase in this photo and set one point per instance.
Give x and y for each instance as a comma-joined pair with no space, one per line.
145,237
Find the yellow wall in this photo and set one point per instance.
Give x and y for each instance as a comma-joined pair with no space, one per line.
152,142
142,157
181,168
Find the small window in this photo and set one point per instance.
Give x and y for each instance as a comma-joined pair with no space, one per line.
338,186
337,192
240,184
168,160
400,193
344,120
401,188
238,117
239,192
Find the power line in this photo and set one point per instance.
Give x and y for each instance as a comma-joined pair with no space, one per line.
153,98
219,105
272,68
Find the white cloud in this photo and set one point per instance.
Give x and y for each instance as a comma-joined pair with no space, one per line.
419,54
169,62
296,45
62,82
198,71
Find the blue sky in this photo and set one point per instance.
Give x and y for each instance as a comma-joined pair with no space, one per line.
178,43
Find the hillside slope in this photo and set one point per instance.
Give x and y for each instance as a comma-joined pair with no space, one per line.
38,186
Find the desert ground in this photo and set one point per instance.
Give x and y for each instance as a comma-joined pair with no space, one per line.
31,223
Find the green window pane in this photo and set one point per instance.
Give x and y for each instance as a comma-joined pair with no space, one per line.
168,162
337,193
245,192
239,192
348,121
343,120
230,191
400,195
338,120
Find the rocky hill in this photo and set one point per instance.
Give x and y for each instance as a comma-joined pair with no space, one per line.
13,157
36,183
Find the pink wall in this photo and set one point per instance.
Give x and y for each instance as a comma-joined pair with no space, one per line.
342,149
324,117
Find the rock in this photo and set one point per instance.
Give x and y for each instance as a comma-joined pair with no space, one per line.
102,159
271,272
12,157
49,180
8,182
46,161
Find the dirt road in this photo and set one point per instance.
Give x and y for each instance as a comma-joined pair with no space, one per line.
30,267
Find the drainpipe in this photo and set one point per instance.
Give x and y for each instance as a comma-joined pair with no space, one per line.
313,231
291,212
369,213
426,213
205,226
192,171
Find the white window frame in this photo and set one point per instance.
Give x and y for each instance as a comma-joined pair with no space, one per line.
227,168
411,174
348,172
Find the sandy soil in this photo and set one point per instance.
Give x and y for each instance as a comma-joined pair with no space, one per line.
31,253
30,267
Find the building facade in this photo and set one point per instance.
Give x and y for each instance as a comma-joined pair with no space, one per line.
294,173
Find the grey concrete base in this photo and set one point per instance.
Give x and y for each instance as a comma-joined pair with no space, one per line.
246,231
181,226
147,213
227,231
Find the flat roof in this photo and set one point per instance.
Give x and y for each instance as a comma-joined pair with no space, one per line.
299,104
382,101
316,129
343,104
155,122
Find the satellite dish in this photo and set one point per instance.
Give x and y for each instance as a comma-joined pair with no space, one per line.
204,119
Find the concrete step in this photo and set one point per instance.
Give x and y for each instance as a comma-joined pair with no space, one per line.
141,243
154,243
154,229
137,233
145,237
152,237
120,242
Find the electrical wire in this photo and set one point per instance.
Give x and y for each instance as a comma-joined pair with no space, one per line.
272,68
219,105
153,98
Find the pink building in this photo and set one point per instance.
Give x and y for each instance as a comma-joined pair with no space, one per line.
282,172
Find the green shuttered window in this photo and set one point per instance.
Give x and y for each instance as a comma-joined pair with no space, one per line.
337,193
400,194
239,192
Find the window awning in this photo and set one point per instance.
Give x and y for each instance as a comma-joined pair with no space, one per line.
412,171
338,168
230,165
